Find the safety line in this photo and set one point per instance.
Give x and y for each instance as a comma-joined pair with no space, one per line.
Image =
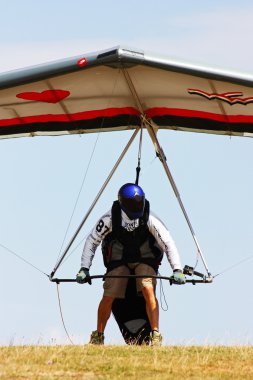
24,260
64,326
162,296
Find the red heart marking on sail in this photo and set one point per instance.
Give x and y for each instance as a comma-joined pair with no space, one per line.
48,96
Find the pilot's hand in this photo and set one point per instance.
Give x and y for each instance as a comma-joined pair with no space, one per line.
83,276
178,277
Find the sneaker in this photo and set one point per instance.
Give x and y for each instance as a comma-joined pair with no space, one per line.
156,339
96,338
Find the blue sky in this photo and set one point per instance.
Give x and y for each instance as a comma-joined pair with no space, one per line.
41,177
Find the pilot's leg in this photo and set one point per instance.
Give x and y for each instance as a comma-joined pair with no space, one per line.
147,286
113,288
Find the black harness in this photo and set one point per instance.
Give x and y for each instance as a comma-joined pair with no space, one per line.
121,246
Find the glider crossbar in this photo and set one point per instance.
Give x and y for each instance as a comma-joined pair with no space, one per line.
94,202
204,280
189,271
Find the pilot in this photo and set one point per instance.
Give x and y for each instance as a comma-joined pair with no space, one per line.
133,239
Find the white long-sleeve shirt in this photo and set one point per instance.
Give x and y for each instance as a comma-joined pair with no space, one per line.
104,226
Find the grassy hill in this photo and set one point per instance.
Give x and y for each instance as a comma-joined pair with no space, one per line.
126,362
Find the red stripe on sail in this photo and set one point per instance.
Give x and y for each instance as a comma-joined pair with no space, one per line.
163,111
68,118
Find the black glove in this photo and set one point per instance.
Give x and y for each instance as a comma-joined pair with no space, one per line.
83,276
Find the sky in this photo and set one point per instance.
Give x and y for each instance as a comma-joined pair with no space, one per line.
41,177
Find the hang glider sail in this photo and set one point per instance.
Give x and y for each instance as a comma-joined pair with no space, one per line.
116,88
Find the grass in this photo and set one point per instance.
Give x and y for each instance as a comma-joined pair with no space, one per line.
126,362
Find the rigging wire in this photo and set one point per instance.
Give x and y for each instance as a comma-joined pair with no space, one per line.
24,260
234,265
162,293
62,319
74,249
197,260
147,167
94,203
41,271
79,193
67,257
92,154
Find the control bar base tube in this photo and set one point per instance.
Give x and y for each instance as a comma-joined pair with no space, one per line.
205,280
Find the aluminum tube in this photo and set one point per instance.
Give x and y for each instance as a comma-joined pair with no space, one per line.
94,202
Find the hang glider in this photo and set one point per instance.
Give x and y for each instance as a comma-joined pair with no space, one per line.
126,89
116,89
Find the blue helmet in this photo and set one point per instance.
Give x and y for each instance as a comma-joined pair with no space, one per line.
132,200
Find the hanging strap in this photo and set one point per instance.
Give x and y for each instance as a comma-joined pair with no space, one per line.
138,169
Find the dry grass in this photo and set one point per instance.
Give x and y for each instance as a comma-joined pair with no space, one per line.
126,362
